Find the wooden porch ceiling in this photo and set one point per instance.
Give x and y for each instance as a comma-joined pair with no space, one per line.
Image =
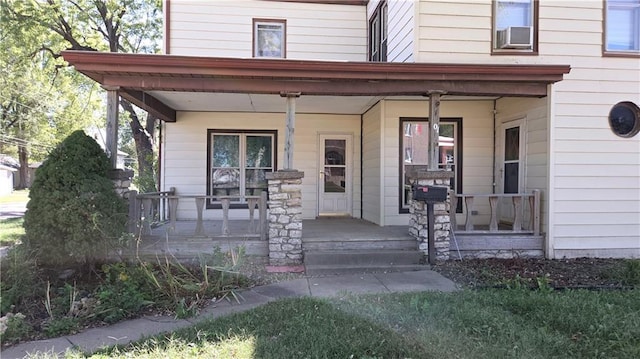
136,74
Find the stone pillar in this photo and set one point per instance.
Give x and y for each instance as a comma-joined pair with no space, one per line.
419,223
121,180
285,218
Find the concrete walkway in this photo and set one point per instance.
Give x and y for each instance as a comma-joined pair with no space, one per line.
328,286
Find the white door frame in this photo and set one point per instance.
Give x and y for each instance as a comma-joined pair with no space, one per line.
348,194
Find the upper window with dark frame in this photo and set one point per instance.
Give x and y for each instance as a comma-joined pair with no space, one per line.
515,26
237,163
378,34
269,38
622,27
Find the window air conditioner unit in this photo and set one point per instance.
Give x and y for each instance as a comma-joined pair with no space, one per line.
515,37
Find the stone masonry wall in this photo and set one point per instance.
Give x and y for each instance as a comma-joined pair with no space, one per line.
419,222
285,218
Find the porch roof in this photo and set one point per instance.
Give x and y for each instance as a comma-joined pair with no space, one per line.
150,81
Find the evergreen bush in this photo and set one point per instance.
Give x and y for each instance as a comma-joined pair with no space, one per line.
74,214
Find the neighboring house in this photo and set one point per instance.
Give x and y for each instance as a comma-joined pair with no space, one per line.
530,95
6,179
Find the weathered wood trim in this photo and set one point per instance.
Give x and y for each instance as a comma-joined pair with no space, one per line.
113,107
332,88
434,129
167,26
493,242
326,2
192,66
150,104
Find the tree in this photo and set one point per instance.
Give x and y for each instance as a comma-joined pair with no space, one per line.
40,102
102,25
74,214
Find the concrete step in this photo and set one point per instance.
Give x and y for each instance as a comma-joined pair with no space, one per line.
368,258
355,269
360,244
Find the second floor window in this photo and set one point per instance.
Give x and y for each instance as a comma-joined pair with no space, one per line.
269,38
514,25
622,26
378,34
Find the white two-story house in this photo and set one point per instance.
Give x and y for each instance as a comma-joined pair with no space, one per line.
531,95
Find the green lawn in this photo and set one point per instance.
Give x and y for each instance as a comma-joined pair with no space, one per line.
16,196
469,324
11,231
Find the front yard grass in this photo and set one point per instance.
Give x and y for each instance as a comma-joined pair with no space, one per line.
514,323
11,230
16,196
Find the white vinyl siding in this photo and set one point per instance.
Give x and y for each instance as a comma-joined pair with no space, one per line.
400,43
225,29
184,153
372,164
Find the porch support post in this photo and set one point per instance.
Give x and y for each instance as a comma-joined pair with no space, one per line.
291,124
434,128
111,142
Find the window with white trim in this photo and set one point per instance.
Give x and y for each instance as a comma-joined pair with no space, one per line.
514,25
622,26
238,161
269,38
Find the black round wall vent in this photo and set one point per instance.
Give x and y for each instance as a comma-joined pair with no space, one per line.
624,119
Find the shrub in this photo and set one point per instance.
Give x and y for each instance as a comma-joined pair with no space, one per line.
74,213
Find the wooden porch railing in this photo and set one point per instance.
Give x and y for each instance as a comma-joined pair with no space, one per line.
147,209
518,203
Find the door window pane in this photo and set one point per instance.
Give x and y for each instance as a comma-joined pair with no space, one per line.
512,144
334,180
334,151
511,175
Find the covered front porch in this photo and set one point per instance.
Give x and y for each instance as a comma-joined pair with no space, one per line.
348,123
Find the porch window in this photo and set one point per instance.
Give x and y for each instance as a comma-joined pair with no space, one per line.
622,26
515,26
237,163
269,38
414,153
378,34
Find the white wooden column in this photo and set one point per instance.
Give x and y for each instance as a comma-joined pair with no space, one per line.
290,129
111,141
434,129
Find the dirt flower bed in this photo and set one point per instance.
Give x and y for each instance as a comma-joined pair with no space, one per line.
561,274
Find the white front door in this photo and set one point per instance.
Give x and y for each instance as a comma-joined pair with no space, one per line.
334,177
511,170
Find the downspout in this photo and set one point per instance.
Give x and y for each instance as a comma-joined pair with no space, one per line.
160,164
495,152
361,167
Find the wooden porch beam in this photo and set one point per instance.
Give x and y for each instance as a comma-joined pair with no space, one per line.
150,104
331,88
111,141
